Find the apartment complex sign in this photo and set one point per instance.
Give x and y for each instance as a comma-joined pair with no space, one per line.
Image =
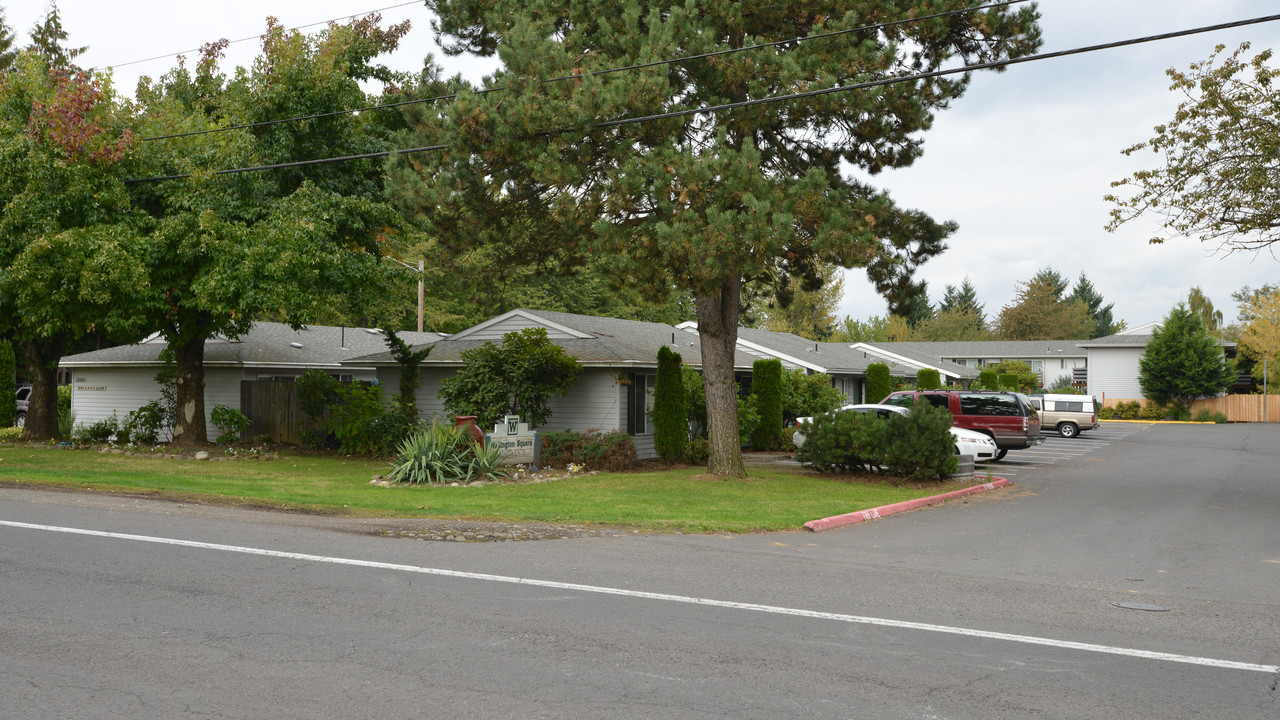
519,444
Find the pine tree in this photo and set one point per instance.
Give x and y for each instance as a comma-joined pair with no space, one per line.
705,200
1101,314
7,52
964,297
1183,362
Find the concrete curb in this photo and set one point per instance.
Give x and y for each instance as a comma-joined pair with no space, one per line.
862,515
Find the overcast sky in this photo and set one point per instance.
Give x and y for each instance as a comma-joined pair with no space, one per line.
1022,162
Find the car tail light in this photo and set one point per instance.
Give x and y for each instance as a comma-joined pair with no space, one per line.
1026,423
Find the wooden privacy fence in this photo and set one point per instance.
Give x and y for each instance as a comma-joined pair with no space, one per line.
272,407
1237,408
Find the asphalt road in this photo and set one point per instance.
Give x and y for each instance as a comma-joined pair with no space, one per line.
1001,606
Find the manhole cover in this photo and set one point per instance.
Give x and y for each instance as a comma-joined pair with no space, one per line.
1140,606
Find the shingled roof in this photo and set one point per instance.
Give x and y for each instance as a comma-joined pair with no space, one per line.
266,344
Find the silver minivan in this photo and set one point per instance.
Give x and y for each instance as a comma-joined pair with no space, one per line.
1068,414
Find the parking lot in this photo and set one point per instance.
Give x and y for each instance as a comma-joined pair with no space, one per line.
1057,449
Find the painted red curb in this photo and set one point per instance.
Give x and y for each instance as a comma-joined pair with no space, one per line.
856,517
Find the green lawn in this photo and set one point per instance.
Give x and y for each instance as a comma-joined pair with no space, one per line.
670,500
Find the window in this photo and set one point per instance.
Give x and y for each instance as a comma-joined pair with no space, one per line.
982,404
641,399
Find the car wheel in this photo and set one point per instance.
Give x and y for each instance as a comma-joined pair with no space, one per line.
1068,430
21,420
1000,453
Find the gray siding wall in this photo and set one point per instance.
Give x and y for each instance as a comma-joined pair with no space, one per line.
1113,373
595,402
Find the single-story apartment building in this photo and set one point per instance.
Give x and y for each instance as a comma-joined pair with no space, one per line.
1050,359
121,379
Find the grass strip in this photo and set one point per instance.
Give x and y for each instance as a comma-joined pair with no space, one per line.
668,500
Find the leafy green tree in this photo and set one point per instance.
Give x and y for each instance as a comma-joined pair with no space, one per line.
875,329
1041,313
706,201
1260,339
1183,362
766,384
958,324
670,409
295,241
69,237
1216,175
1200,305
1087,294
806,395
808,312
517,377
879,382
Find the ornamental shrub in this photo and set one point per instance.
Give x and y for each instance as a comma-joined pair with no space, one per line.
146,422
1152,411
878,383
230,421
928,379
699,451
920,445
844,442
988,380
1106,413
1008,381
670,412
766,384
597,450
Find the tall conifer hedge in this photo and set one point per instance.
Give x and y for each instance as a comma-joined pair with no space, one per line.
670,411
878,383
766,383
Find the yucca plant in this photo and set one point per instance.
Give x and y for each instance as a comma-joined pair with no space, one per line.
440,453
435,454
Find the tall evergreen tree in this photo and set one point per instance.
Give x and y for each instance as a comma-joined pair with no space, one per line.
1183,361
1085,292
707,200
914,307
964,297
48,39
8,53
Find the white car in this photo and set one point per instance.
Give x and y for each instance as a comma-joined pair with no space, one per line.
968,442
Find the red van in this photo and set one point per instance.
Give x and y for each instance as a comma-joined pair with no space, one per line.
1008,417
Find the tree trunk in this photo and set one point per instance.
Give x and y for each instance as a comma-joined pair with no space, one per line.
718,332
189,427
42,413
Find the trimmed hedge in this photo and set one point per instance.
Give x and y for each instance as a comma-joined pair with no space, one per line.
988,380
670,411
928,379
879,384
766,383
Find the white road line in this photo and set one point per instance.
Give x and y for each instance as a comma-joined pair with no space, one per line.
772,609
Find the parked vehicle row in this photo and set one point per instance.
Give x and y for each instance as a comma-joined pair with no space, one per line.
1008,418
1068,414
967,442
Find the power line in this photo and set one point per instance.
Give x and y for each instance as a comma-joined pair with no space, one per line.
255,37
642,66
776,98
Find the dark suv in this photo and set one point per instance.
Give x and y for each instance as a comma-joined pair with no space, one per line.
1009,418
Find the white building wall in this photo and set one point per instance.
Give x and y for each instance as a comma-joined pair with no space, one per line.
1113,373
97,392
